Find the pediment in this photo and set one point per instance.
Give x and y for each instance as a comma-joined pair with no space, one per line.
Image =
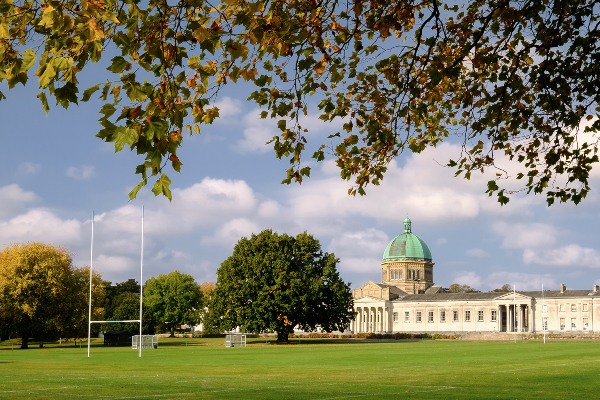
371,285
513,296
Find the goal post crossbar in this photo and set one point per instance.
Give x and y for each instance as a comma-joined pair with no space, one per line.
90,322
115,322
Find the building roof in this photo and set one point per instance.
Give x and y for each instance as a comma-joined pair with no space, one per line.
407,246
444,296
560,294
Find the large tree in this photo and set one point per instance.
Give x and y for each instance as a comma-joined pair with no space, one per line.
81,287
273,283
41,294
461,288
515,80
173,299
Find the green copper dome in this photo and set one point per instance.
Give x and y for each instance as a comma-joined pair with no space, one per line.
407,246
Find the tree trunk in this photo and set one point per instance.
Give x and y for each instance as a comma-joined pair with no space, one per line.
282,336
24,342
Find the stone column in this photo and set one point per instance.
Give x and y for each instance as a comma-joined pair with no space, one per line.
386,326
499,322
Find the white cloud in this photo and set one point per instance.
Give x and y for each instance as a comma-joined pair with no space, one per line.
572,256
40,225
228,108
420,188
110,263
269,209
362,250
369,241
28,168
202,205
521,281
525,235
256,134
231,232
477,253
14,200
468,278
81,173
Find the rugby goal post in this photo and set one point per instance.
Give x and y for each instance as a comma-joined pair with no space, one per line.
90,322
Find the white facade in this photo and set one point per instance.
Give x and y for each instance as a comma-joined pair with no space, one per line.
438,311
408,301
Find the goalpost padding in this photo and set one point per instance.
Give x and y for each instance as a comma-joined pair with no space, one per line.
145,341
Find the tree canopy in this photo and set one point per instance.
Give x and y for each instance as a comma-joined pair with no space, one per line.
509,80
273,283
173,299
461,288
504,288
41,293
122,303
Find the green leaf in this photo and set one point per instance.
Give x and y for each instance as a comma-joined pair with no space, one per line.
161,186
44,100
66,95
119,64
123,136
136,189
87,94
29,59
46,73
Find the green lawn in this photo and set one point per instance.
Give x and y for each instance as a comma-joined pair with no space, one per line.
205,369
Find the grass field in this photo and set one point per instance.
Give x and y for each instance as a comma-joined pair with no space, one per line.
309,369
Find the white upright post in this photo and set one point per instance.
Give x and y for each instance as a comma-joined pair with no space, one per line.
141,282
90,299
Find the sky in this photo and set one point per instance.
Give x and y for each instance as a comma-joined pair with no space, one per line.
55,174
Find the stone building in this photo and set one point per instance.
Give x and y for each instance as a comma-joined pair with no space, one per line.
407,300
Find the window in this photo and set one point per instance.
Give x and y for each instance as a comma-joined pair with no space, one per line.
454,316
467,315
418,316
480,315
573,324
545,308
406,316
430,316
396,274
573,307
545,324
494,315
584,307
561,307
442,316
585,324
395,316
562,324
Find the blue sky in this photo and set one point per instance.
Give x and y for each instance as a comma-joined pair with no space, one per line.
55,173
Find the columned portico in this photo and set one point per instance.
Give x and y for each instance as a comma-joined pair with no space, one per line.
373,318
513,318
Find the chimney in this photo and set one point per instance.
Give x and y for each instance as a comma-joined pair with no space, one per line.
563,288
596,288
